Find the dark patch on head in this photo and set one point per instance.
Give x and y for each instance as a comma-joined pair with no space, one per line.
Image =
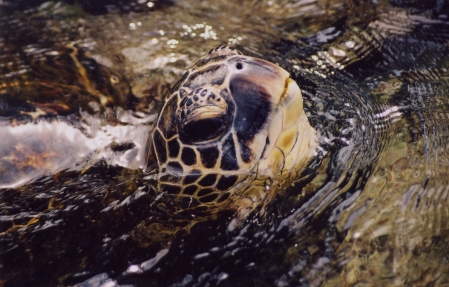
253,107
209,156
208,180
224,197
226,182
168,121
171,189
229,158
208,198
190,190
159,145
214,75
205,191
173,148
188,156
192,177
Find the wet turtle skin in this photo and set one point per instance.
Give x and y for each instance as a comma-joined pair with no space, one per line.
231,134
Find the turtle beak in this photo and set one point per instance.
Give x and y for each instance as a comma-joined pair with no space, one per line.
291,102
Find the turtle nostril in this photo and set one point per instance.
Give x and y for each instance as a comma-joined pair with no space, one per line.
239,66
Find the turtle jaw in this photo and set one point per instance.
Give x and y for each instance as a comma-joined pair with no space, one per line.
292,142
291,102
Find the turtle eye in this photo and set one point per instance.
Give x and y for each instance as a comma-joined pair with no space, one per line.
114,79
202,130
203,116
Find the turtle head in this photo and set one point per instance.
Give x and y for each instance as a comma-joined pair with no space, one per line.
223,123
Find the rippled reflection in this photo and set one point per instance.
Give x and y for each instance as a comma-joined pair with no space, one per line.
44,148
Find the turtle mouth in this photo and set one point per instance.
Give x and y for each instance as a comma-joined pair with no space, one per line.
291,92
290,107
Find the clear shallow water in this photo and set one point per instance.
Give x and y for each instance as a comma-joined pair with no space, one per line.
370,210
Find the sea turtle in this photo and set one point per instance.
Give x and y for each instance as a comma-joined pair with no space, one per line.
232,131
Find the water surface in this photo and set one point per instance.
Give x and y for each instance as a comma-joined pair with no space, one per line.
79,92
